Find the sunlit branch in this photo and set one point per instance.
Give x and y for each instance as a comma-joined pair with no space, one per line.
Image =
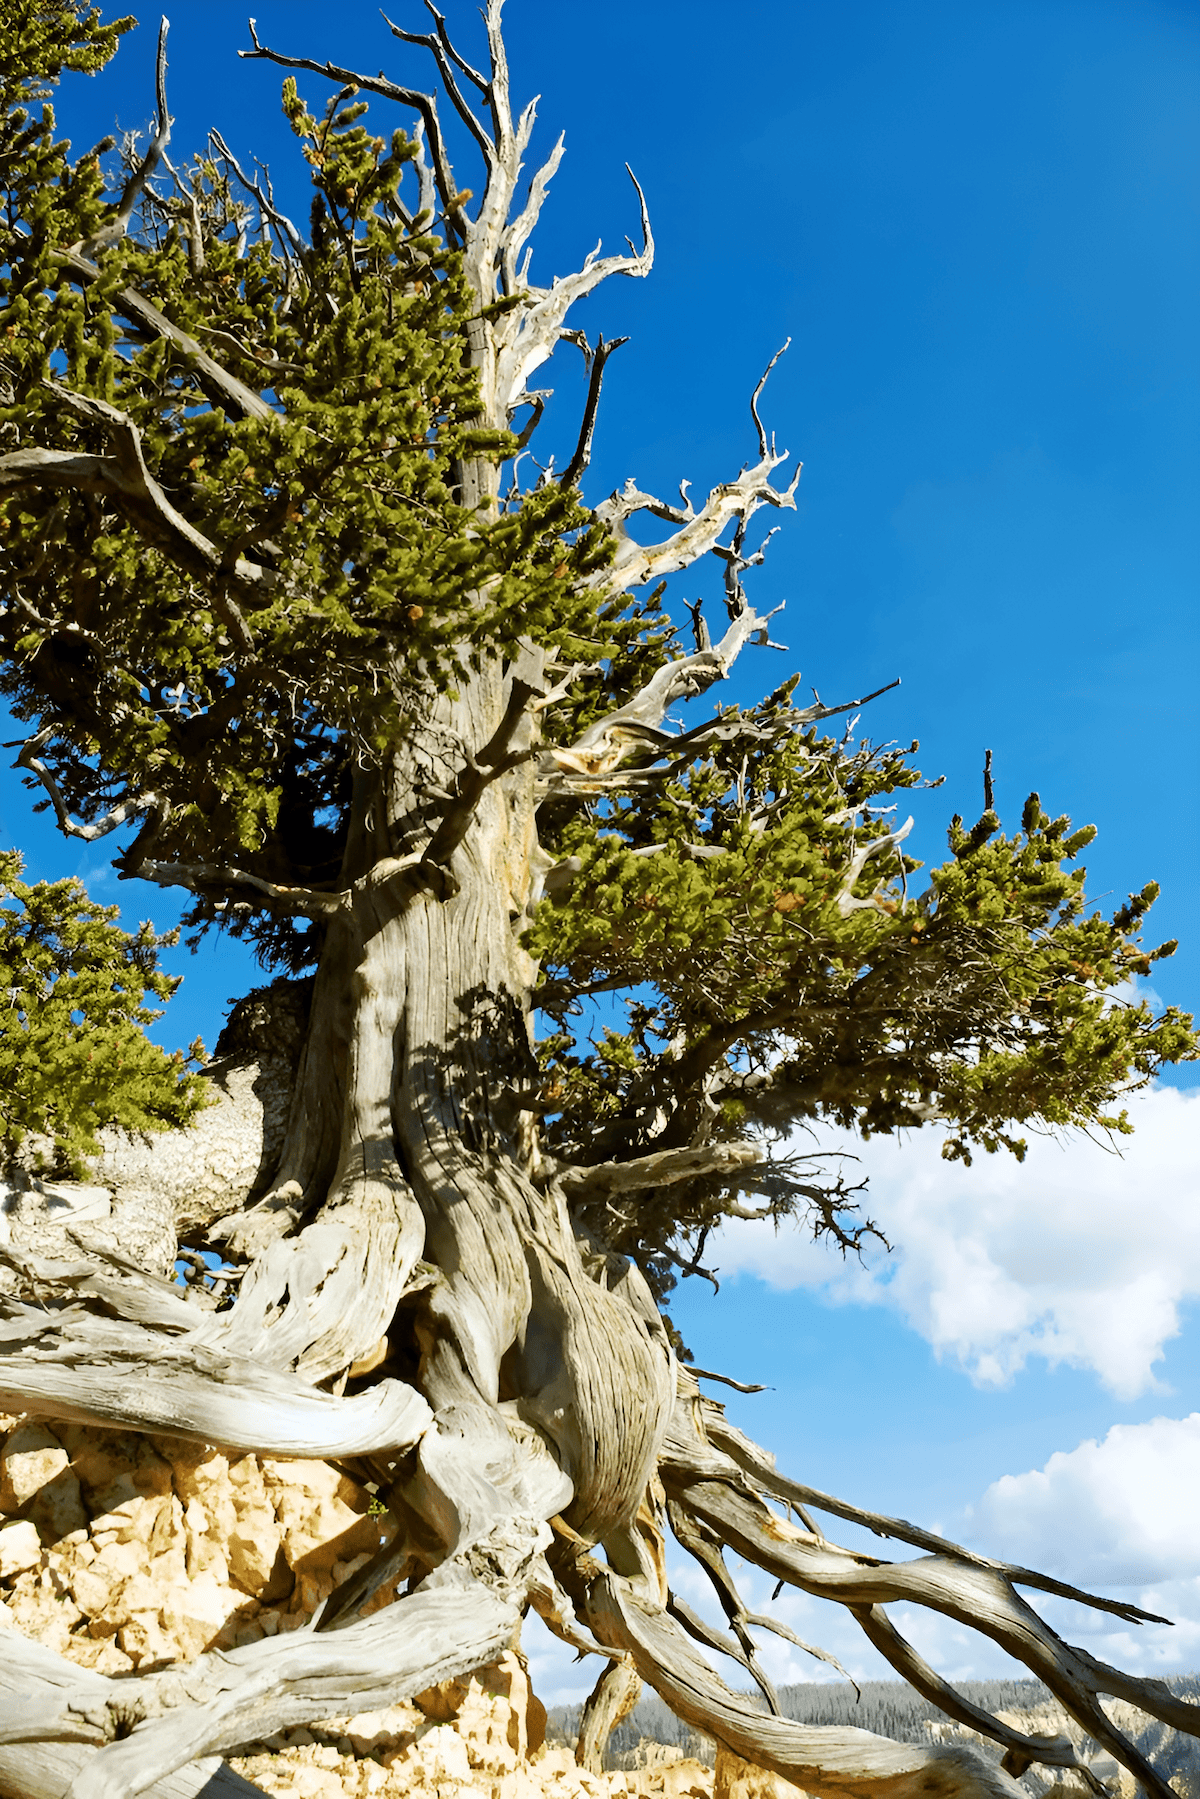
115,228
134,806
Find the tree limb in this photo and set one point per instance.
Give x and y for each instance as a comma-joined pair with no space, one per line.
583,449
225,388
827,1762
131,807
125,478
759,1465
115,228
92,1369
667,1166
423,104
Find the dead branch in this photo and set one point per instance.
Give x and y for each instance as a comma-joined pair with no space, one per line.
423,104
759,1465
115,228
828,1762
134,806
583,449
606,1180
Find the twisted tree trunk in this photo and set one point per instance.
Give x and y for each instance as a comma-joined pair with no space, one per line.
516,1401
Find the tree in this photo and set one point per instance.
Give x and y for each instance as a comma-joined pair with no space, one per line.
74,1056
276,599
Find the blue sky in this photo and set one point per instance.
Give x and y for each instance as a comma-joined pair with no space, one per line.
978,225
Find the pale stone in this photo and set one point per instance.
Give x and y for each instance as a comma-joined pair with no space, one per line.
114,1467
102,1654
130,1522
370,1733
31,1457
118,1561
318,1523
438,1753
93,1588
20,1548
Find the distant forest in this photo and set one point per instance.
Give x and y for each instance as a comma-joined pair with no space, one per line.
888,1707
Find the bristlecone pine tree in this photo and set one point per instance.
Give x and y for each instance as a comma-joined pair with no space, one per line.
275,602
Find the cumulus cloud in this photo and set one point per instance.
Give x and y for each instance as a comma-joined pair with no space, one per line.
1122,1512
1117,1517
1077,1255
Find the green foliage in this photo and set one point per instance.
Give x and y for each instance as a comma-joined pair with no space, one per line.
770,989
239,697
74,1056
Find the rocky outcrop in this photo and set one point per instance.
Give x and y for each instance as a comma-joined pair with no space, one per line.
125,1552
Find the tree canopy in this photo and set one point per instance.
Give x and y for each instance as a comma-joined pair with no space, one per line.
74,1056
251,510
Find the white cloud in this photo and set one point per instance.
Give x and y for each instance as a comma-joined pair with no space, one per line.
1077,1255
1121,1512
1116,1517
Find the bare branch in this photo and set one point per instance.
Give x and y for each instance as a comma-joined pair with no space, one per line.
668,1166
875,846
115,228
726,1380
831,1762
635,564
292,240
763,450
440,48
424,104
131,807
761,1622
760,1466
816,712
519,230
712,1638
185,1382
202,877
533,332
583,448
227,1697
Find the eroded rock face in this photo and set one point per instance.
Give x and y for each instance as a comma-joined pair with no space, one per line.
123,1551
474,1739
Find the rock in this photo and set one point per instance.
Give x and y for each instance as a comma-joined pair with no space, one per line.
226,1156
29,1459
734,1778
20,1549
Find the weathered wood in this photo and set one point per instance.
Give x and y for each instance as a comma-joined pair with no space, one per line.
612,1698
34,1678
832,1762
72,1364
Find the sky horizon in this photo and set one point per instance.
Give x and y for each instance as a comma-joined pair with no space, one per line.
979,228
